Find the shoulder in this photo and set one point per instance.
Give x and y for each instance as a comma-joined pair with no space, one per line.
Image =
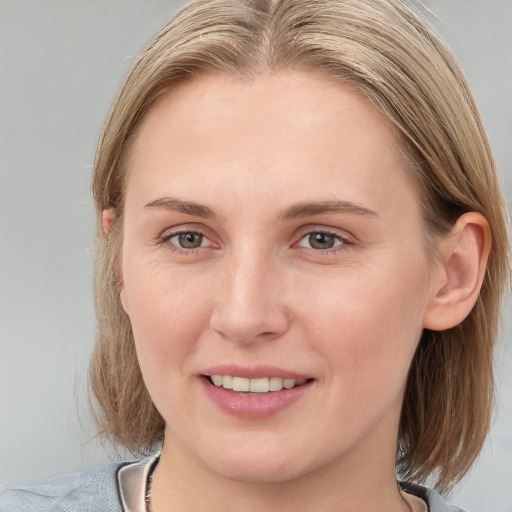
435,501
92,490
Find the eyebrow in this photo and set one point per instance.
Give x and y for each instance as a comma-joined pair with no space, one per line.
317,208
306,209
178,205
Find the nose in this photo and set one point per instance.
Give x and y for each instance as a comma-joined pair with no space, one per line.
251,303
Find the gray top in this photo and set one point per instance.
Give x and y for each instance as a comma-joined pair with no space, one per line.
121,488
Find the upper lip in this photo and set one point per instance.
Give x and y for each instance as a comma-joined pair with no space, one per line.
253,372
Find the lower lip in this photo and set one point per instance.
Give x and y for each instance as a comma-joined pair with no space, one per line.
254,407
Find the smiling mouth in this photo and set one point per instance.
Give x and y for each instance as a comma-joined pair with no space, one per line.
258,386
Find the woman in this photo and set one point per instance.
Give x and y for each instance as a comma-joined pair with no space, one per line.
302,250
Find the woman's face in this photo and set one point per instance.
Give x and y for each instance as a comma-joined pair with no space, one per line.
271,233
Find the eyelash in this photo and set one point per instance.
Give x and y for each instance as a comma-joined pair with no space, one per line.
344,241
166,238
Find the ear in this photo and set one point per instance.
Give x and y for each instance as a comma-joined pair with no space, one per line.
108,218
458,277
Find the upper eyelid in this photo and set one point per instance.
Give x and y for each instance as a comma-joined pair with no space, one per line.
170,233
342,234
185,228
325,232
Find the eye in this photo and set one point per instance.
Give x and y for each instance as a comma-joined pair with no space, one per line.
322,240
187,240
184,240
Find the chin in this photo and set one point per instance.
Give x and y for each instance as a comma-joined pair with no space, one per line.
270,473
263,465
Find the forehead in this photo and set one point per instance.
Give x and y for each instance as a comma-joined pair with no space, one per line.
287,134
281,104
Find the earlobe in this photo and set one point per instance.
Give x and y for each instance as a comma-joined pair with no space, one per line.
460,273
108,217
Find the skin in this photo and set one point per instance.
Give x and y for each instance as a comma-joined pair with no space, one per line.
255,292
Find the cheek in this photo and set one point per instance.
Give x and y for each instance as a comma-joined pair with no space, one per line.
167,315
368,325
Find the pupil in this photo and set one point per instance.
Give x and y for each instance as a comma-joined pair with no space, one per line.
321,240
190,240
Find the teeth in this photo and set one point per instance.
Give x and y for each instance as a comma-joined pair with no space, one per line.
260,385
288,383
227,382
241,384
217,380
275,383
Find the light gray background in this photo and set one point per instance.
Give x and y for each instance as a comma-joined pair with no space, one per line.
61,63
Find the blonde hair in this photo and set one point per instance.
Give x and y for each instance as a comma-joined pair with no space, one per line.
397,60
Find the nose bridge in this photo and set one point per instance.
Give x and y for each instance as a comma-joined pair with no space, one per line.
249,306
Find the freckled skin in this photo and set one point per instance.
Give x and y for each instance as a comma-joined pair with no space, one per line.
256,292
